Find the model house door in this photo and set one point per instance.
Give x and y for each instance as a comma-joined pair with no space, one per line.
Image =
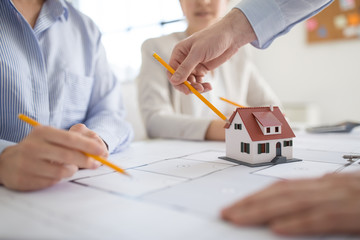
278,149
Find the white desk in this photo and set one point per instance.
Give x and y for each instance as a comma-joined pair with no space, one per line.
176,192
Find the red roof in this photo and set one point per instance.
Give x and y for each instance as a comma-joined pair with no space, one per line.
267,118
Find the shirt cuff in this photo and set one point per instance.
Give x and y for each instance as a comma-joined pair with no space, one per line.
114,142
4,144
265,18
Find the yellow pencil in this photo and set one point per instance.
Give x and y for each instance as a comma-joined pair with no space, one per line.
192,89
231,102
34,123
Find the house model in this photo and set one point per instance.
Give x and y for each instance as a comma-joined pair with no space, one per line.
258,136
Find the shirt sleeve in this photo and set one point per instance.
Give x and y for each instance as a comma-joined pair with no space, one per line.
156,100
273,18
106,112
4,144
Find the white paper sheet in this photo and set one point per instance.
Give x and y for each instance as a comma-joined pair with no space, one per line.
156,203
140,183
50,213
209,194
320,156
185,168
141,153
303,169
354,167
83,173
348,143
209,156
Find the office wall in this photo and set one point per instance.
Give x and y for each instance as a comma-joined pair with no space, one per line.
325,75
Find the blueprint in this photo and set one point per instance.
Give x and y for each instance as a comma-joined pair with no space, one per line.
172,194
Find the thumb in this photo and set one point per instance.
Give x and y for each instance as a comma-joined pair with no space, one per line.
184,69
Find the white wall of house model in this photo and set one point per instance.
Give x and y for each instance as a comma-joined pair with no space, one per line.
258,135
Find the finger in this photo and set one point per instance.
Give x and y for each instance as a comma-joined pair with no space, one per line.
69,140
36,166
201,70
207,87
191,79
82,129
28,182
198,86
279,199
324,219
261,213
214,63
183,88
58,154
184,70
284,187
53,170
195,83
178,54
198,79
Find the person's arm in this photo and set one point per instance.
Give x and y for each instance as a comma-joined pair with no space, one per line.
273,18
209,48
159,103
216,130
106,113
326,205
46,156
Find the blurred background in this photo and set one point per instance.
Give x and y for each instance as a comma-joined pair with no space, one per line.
314,69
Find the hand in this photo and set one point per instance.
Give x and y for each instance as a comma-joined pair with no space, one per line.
207,49
46,156
216,130
83,130
326,205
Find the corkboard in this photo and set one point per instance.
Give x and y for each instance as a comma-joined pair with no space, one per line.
339,21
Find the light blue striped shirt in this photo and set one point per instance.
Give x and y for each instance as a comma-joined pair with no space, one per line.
57,73
273,18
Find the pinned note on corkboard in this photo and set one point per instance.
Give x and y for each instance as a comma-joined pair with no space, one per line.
339,21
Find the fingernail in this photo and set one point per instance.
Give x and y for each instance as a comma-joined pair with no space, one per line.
96,164
175,79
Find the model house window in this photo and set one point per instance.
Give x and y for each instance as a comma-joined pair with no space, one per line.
237,126
288,143
277,129
267,130
245,147
263,148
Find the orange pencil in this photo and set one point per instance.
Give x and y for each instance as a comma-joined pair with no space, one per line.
231,102
34,123
192,89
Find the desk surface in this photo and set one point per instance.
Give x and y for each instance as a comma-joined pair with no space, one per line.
176,192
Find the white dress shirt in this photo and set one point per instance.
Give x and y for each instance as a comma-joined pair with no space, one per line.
273,18
57,73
